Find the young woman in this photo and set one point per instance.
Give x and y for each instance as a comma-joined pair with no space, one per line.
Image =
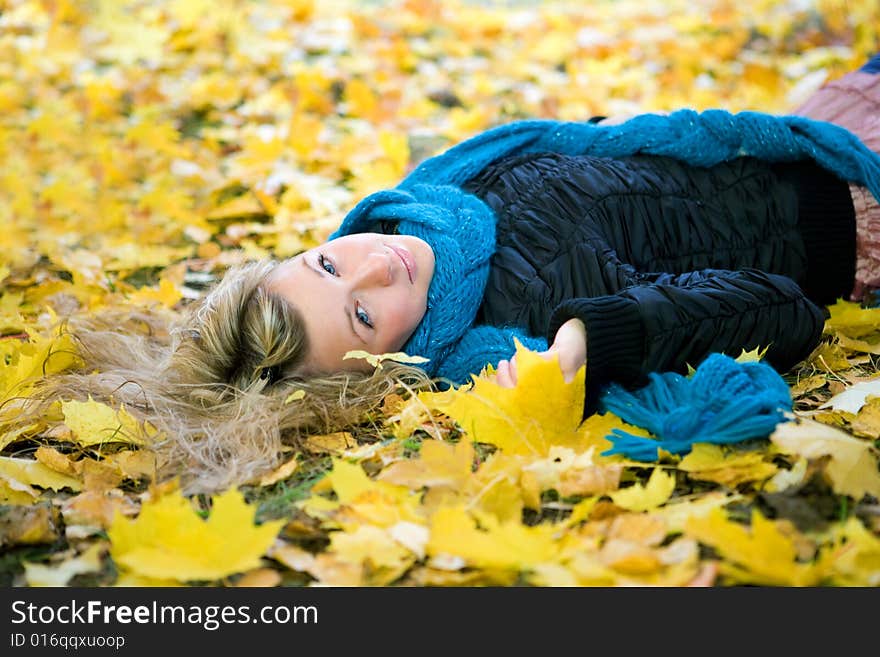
632,247
731,234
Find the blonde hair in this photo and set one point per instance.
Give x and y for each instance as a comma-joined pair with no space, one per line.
218,381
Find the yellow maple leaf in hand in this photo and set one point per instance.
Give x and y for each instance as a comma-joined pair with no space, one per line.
168,540
542,410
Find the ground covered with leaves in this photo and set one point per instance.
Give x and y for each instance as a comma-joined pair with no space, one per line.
148,146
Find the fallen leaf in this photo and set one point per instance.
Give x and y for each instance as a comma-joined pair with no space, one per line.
331,443
710,462
29,525
760,554
376,359
168,540
852,469
97,508
853,398
374,549
260,577
34,473
483,542
90,561
280,473
866,423
94,423
439,464
851,319
644,498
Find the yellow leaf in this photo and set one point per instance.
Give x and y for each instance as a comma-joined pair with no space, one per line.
857,561
283,471
59,462
376,359
644,498
168,540
866,424
858,345
244,206
348,480
395,145
595,430
260,577
331,443
850,319
370,544
34,473
574,474
852,469
294,396
32,359
752,356
829,358
94,423
14,492
710,463
540,411
510,545
439,464
760,555
89,561
135,464
167,294
361,101
29,525
677,512
808,384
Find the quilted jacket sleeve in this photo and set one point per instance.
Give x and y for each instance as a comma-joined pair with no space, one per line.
667,322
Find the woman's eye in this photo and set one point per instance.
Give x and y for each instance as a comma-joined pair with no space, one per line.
363,317
326,265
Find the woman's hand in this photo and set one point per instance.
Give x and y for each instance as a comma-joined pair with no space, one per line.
570,343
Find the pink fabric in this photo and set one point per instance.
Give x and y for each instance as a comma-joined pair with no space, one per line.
867,242
853,102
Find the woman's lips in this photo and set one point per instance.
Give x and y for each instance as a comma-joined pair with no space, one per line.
408,261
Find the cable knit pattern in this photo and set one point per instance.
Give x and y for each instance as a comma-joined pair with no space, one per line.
429,204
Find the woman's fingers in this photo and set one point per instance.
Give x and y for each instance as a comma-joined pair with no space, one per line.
505,373
571,343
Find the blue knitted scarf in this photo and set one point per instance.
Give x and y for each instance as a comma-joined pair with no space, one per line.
429,204
722,402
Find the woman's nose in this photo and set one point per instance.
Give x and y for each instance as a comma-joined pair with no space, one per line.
375,270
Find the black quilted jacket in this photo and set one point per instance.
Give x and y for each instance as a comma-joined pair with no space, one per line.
666,263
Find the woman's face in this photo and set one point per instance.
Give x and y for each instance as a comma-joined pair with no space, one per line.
366,291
